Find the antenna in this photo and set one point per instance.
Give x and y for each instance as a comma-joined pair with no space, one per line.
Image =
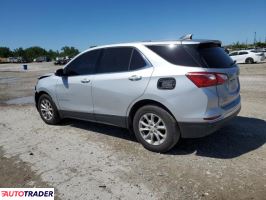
186,37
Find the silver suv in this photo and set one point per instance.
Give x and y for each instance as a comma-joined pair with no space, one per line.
163,91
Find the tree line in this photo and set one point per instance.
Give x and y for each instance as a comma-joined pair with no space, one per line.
31,53
238,45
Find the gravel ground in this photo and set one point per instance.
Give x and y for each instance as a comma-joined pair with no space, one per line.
83,160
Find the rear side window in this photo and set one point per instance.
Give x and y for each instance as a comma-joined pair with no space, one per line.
114,60
243,53
137,61
215,57
175,54
83,64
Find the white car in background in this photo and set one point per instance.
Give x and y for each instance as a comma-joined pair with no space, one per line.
259,51
247,56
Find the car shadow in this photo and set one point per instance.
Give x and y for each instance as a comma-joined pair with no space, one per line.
98,128
240,136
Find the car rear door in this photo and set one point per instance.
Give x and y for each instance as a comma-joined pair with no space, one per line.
122,75
243,55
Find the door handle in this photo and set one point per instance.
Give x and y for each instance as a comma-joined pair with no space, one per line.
85,80
135,78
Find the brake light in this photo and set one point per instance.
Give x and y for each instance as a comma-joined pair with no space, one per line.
207,79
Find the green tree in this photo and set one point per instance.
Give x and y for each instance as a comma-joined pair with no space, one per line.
238,45
5,52
34,52
261,44
52,54
19,52
69,51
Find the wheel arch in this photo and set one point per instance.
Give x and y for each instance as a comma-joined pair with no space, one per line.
140,104
38,94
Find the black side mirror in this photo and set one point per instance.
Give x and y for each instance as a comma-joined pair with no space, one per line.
60,72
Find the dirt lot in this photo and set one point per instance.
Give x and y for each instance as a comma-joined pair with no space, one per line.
83,160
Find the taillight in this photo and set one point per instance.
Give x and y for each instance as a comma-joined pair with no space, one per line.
207,79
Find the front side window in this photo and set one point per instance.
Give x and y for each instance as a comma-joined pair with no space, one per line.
83,64
233,54
114,59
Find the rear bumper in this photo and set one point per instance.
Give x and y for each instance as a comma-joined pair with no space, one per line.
201,129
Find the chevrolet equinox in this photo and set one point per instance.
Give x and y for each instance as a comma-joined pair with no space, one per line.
162,91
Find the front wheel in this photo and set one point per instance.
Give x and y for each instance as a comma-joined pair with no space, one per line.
155,128
48,110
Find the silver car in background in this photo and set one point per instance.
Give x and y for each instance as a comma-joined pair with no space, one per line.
162,91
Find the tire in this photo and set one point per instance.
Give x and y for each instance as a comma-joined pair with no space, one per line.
146,131
48,110
249,61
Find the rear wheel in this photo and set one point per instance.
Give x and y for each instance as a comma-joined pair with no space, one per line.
249,61
155,128
48,110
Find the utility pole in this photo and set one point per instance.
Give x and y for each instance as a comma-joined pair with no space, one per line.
255,41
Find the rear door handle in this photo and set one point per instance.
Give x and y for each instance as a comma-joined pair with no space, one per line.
85,80
135,78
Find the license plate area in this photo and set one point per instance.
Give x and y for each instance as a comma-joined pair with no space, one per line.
233,85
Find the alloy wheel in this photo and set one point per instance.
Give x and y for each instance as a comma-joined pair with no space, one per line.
46,109
152,129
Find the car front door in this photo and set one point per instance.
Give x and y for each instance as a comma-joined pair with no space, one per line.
234,56
121,77
74,89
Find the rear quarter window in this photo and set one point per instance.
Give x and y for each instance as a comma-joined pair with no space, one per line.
215,57
175,54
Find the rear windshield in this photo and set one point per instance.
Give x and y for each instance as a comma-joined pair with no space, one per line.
203,55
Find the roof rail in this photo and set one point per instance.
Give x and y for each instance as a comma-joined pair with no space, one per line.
186,37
